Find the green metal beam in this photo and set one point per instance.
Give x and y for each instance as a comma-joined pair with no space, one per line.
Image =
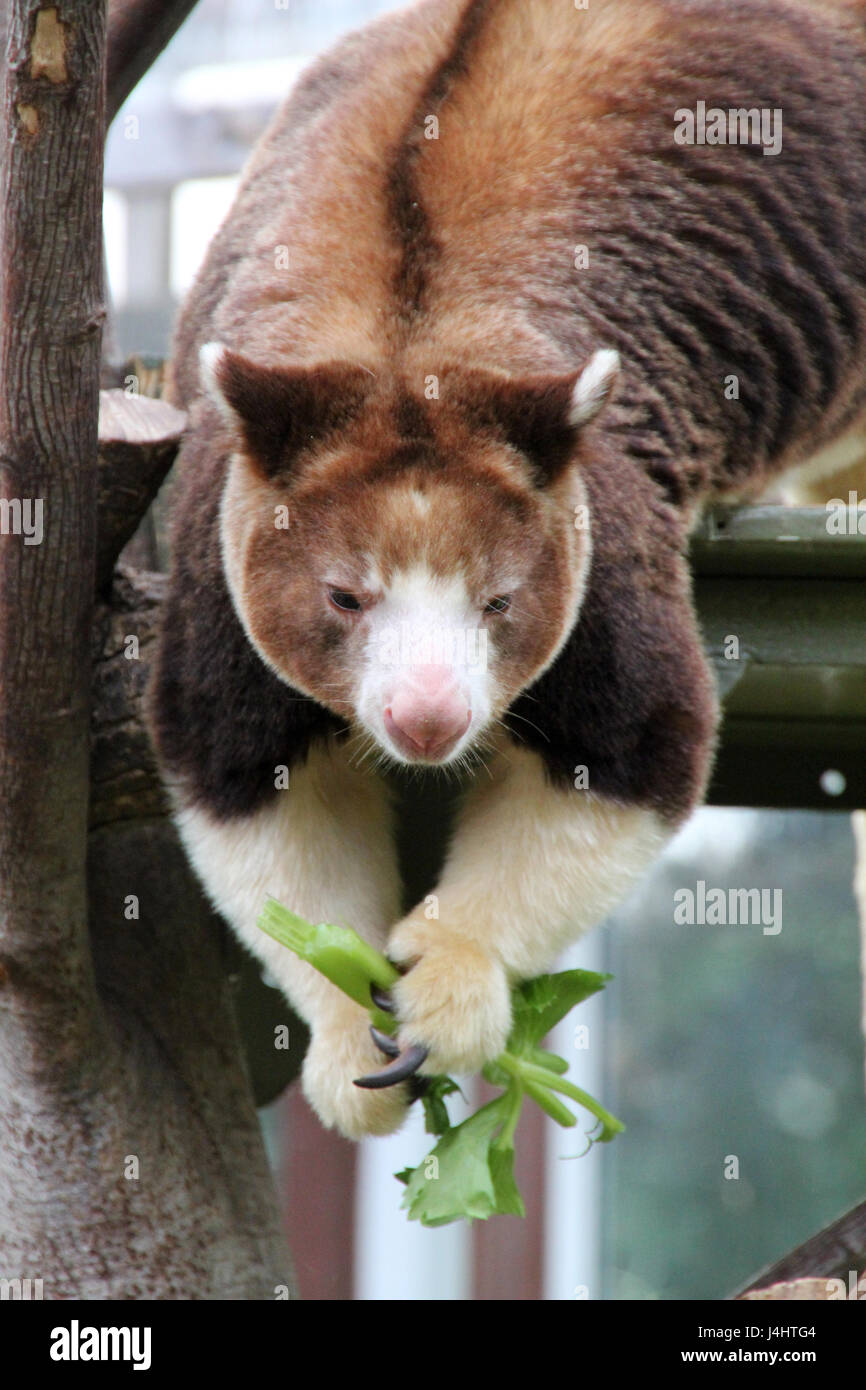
780,541
782,604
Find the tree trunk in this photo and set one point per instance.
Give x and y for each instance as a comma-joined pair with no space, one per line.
131,1163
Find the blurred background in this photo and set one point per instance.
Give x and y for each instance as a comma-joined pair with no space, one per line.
732,1054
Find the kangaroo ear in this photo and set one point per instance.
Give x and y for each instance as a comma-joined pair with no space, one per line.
593,388
543,415
281,410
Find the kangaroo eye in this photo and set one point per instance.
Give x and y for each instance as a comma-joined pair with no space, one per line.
501,604
347,602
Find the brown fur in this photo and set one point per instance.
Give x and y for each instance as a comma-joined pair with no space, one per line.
453,258
348,497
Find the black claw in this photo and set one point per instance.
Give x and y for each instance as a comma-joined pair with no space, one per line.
405,1064
418,1086
389,1046
382,999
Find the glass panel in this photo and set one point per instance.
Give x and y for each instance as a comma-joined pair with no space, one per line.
734,1052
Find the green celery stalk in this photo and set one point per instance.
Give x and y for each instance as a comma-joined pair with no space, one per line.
339,953
540,1076
476,1178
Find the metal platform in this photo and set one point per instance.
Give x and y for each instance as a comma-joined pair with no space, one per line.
794,596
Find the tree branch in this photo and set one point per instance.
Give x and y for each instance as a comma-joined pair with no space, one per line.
831,1254
138,439
138,31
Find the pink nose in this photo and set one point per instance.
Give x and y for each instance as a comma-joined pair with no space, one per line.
428,714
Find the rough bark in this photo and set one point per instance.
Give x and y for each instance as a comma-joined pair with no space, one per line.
180,1102
131,1163
796,1290
138,439
50,318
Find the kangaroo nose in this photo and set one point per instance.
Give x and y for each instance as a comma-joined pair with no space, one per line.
427,714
